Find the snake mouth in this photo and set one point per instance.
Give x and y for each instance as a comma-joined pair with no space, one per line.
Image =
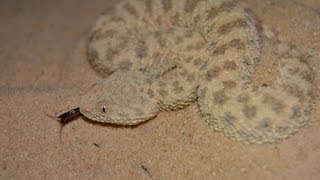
118,120
94,116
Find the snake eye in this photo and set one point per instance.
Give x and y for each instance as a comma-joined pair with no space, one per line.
104,109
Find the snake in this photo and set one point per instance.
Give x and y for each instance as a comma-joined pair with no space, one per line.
162,55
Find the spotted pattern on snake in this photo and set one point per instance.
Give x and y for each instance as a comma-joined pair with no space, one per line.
166,54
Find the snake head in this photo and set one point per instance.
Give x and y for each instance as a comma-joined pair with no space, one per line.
121,98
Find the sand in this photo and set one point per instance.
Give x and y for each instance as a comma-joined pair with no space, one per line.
44,70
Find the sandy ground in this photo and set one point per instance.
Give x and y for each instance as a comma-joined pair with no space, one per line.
43,69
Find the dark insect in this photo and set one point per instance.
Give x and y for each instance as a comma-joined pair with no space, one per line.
67,117
70,115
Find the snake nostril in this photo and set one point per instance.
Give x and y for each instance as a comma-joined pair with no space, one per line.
104,109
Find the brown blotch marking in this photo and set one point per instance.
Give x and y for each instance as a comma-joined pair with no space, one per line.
196,46
183,73
219,97
294,90
189,59
162,41
176,86
228,117
220,50
104,22
95,34
99,67
188,48
213,12
226,6
209,29
108,34
175,83
191,78
98,34
199,45
167,5
203,92
226,28
179,40
191,5
265,123
229,84
141,49
311,93
134,89
117,19
93,55
131,9
249,111
307,76
142,99
296,112
148,5
176,19
162,84
159,21
123,44
213,73
204,65
243,98
157,34
125,65
237,44
303,59
197,61
229,65
188,34
111,53
163,92
197,19
276,104
156,56
293,71
150,93
148,80
307,112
